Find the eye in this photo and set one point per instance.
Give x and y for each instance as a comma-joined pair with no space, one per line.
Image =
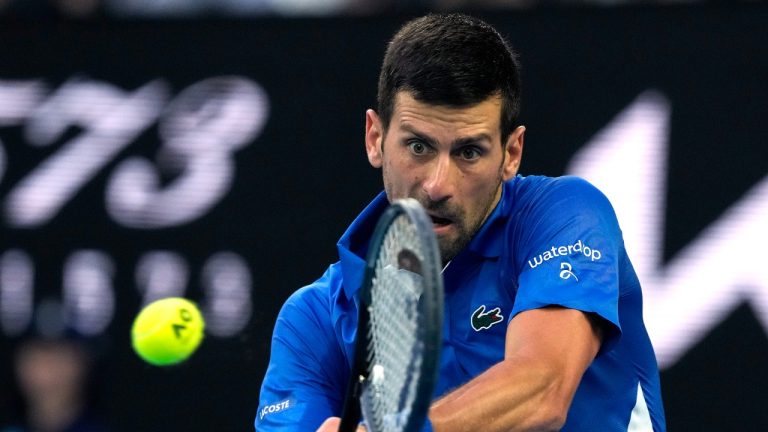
470,153
417,147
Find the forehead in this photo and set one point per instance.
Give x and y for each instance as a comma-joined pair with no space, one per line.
484,117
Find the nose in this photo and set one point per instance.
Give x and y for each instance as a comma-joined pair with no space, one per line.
439,183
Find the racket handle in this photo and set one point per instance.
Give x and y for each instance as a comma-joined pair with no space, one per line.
350,417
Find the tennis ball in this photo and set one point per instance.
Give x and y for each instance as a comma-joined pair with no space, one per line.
167,331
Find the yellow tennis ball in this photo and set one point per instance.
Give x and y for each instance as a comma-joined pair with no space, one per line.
167,331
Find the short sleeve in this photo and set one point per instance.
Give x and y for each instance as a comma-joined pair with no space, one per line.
305,379
568,252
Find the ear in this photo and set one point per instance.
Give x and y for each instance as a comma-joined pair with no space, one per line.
514,153
374,134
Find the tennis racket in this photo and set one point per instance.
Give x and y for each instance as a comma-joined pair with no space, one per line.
400,314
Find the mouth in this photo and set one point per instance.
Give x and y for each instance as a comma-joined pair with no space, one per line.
440,222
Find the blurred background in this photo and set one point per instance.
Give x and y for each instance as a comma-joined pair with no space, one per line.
213,149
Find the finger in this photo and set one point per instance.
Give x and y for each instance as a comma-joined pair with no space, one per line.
331,424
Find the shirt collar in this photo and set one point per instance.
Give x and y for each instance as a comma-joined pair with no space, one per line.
353,245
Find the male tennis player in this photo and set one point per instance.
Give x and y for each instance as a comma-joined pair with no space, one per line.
544,310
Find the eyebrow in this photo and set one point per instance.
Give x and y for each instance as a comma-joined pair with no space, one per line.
460,142
429,140
475,139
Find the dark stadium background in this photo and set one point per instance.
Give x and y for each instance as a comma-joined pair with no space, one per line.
304,177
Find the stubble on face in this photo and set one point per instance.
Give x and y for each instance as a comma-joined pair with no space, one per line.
463,143
466,225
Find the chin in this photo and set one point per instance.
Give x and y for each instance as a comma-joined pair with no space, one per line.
448,252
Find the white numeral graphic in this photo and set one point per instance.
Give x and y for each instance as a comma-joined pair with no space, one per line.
227,284
111,120
201,129
17,276
89,297
2,160
161,274
17,100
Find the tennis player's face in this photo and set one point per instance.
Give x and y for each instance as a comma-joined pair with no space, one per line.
450,159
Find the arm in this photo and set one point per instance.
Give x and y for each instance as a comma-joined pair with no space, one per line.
305,379
546,353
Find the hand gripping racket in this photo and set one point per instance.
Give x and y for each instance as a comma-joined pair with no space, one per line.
400,314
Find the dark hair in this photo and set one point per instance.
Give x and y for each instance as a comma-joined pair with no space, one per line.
453,60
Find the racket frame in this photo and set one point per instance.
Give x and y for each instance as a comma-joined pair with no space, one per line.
433,313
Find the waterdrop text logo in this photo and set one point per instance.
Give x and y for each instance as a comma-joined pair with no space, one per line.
558,251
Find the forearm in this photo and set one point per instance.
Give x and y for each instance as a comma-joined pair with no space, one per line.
514,395
546,353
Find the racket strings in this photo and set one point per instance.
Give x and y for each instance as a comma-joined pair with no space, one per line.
394,328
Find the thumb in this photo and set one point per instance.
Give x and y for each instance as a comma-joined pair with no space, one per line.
331,424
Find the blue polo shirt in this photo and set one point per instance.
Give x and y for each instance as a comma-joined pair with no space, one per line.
549,241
